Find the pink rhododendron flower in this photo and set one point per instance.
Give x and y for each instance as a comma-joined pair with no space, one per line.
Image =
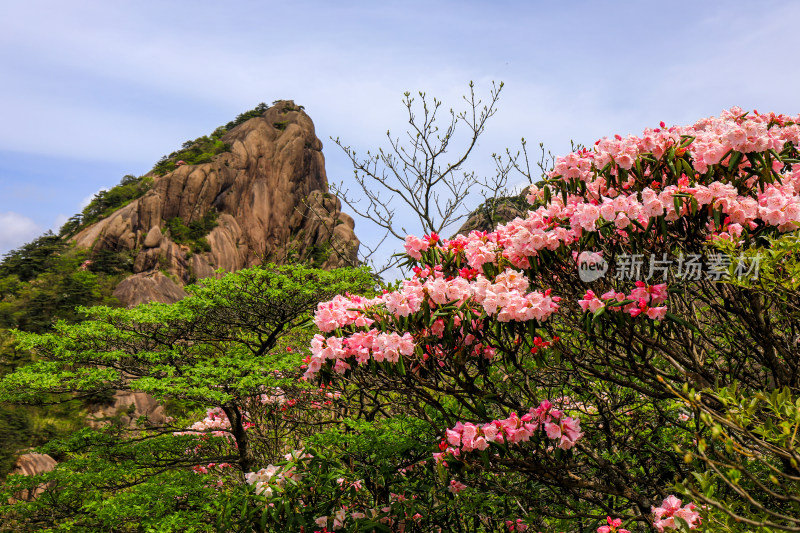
664,516
612,527
516,525
456,487
415,246
514,430
590,302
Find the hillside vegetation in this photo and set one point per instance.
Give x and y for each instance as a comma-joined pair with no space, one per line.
622,355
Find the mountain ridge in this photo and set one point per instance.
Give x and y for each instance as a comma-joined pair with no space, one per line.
268,197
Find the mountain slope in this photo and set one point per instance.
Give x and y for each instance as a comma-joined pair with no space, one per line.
265,200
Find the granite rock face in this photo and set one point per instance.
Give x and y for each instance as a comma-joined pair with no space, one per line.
128,406
32,464
503,210
270,193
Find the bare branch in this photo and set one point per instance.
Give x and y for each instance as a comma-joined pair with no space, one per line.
411,178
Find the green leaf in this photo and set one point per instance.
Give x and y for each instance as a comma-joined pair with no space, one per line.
681,321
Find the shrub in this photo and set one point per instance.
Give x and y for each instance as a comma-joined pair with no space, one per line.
203,149
193,232
106,202
586,394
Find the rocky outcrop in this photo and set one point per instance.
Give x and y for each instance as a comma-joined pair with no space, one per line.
128,407
497,211
148,287
31,464
271,196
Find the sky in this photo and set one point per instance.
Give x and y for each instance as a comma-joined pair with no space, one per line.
92,91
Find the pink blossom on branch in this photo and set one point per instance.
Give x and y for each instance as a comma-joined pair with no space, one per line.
670,509
613,526
514,430
643,300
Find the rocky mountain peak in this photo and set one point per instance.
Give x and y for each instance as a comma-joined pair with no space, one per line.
266,199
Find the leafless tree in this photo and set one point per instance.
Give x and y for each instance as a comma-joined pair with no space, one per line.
418,175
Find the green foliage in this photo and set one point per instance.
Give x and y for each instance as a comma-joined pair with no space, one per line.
742,451
203,149
56,287
224,344
194,232
111,262
115,484
257,111
14,431
745,456
30,260
207,347
44,282
106,202
200,150
316,255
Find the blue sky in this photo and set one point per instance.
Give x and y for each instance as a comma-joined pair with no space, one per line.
92,91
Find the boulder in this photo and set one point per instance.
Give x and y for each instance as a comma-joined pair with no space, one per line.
31,464
148,287
153,237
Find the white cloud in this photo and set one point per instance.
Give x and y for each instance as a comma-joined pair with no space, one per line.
16,230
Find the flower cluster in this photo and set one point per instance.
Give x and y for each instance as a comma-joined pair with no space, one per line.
392,513
271,479
506,298
275,396
726,177
516,525
608,201
562,220
539,343
643,300
206,469
339,518
613,526
513,430
664,516
216,422
712,139
456,486
342,311
415,246
362,346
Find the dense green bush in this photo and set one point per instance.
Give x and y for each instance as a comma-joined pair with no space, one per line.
200,150
42,282
194,232
232,340
106,202
257,111
33,258
203,149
